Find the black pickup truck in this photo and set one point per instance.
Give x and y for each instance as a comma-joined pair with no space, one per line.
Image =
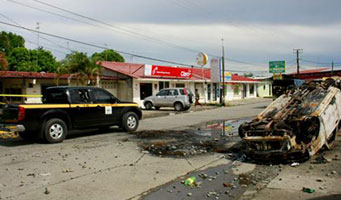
65,108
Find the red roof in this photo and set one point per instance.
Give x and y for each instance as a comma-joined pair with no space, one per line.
312,71
236,77
137,71
41,75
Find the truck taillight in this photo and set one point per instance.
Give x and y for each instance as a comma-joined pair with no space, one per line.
21,113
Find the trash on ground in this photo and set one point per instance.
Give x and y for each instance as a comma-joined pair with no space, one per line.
190,181
308,190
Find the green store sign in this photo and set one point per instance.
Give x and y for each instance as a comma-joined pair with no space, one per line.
277,66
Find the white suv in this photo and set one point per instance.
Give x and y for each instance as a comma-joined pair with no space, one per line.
179,98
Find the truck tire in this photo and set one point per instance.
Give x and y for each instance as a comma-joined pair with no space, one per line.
54,130
130,122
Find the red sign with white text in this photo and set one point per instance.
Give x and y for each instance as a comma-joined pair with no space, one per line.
164,71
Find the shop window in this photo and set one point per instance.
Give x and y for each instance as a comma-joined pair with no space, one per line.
161,85
236,89
180,85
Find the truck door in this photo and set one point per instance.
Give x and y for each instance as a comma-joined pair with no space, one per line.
106,111
84,113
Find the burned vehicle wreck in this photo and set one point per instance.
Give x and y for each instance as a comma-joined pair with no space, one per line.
296,125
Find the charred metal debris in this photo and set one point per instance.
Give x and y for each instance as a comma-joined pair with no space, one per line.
297,124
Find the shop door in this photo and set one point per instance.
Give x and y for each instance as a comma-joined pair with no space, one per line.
209,92
244,90
146,90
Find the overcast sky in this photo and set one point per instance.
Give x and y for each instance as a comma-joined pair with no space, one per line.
254,31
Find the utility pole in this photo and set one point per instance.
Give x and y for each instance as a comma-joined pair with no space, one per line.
38,42
223,71
298,51
332,67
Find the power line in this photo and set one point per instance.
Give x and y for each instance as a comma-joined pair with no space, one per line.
138,34
6,17
322,63
96,46
116,27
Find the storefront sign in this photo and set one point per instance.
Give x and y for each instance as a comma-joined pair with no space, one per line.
215,70
227,76
164,71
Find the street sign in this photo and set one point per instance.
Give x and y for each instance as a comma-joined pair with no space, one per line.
277,76
277,66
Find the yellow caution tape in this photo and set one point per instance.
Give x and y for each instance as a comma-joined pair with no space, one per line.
21,95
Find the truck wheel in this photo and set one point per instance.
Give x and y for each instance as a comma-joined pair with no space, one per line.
130,122
54,130
178,106
148,105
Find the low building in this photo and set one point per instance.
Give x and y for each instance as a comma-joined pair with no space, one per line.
139,81
34,83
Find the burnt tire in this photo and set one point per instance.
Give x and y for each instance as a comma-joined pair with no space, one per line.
148,105
157,108
54,130
178,106
187,108
130,122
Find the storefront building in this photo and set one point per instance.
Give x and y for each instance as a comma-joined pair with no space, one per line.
141,81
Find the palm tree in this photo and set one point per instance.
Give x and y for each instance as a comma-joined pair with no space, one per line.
78,65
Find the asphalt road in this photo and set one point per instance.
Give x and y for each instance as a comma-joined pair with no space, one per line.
97,165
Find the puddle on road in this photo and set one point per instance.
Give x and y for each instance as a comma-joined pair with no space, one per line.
214,136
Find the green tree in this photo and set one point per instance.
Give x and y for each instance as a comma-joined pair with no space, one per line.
107,55
44,59
35,60
78,65
20,60
10,41
248,74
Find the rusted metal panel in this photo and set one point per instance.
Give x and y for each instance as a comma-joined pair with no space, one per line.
299,122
